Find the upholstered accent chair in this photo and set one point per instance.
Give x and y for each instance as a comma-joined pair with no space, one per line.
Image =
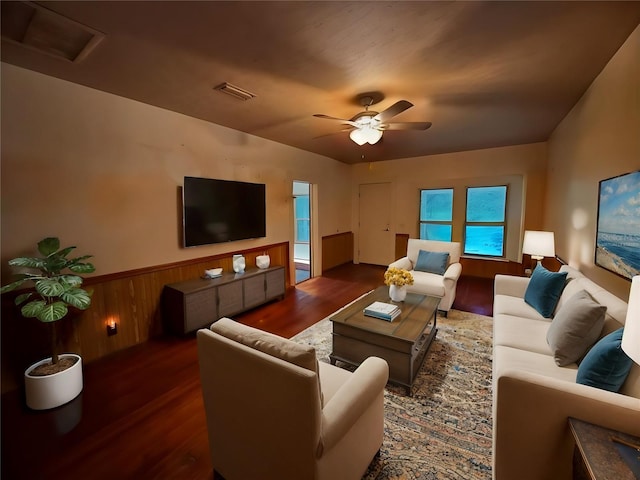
435,267
274,412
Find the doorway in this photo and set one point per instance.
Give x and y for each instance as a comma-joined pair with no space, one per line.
376,240
302,231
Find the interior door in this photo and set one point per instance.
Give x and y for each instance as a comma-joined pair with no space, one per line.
375,241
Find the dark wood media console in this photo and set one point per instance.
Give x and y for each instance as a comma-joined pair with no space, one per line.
197,303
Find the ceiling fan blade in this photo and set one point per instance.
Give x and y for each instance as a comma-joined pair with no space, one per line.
327,117
406,126
343,120
393,110
334,133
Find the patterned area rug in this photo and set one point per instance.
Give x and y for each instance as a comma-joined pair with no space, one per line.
443,431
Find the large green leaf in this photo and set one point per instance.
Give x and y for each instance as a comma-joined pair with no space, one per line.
71,280
80,259
32,309
48,246
50,288
65,251
55,263
77,297
53,312
27,262
82,268
13,285
21,298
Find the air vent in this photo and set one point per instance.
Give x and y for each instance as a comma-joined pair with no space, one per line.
234,91
45,31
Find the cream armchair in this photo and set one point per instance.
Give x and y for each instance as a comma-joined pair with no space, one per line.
274,412
428,283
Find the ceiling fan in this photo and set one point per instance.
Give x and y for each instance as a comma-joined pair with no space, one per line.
367,126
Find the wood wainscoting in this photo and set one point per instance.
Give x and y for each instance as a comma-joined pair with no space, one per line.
337,249
402,240
132,299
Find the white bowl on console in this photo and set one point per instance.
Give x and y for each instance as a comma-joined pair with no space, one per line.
263,261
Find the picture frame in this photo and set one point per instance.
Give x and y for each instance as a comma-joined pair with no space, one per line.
618,225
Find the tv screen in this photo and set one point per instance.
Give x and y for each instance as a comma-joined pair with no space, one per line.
217,211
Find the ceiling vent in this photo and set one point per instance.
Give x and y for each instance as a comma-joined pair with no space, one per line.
45,31
234,91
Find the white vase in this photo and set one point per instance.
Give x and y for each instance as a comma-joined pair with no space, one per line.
397,294
238,263
51,391
263,261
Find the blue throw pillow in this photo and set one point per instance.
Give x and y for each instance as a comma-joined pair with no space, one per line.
544,289
606,366
432,262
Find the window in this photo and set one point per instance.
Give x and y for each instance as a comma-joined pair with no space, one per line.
302,218
436,214
484,228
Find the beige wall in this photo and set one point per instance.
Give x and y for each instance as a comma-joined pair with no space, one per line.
102,172
522,167
598,139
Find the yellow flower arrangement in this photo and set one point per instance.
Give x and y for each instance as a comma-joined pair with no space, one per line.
398,277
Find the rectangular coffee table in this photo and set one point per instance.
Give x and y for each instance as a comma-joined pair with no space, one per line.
403,343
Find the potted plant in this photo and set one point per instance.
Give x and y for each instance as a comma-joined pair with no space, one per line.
398,279
58,379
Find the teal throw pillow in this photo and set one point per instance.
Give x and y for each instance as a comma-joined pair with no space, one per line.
606,366
432,262
544,289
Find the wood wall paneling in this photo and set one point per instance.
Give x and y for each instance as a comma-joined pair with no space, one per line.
132,299
337,249
402,240
489,268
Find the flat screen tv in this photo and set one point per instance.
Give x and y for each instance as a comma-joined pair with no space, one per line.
217,211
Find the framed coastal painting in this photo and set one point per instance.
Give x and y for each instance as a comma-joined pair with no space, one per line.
618,230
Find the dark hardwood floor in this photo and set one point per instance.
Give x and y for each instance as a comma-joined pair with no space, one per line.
141,416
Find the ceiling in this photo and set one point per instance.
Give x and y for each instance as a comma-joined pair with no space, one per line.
486,74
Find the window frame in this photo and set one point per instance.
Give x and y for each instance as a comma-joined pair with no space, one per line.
435,222
468,223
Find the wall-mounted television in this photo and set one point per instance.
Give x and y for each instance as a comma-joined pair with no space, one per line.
217,211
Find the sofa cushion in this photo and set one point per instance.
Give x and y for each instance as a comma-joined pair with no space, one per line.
508,358
544,290
521,333
508,305
575,328
432,262
606,366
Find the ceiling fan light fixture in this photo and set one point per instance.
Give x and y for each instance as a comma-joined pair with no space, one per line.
373,135
365,135
358,136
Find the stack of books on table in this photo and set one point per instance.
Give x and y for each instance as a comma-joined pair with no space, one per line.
383,311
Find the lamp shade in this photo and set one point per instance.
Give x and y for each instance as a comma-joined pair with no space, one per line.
631,335
539,244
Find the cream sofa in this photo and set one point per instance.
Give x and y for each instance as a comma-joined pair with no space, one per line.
430,283
533,397
274,412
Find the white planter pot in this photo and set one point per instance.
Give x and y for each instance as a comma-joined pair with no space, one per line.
54,390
